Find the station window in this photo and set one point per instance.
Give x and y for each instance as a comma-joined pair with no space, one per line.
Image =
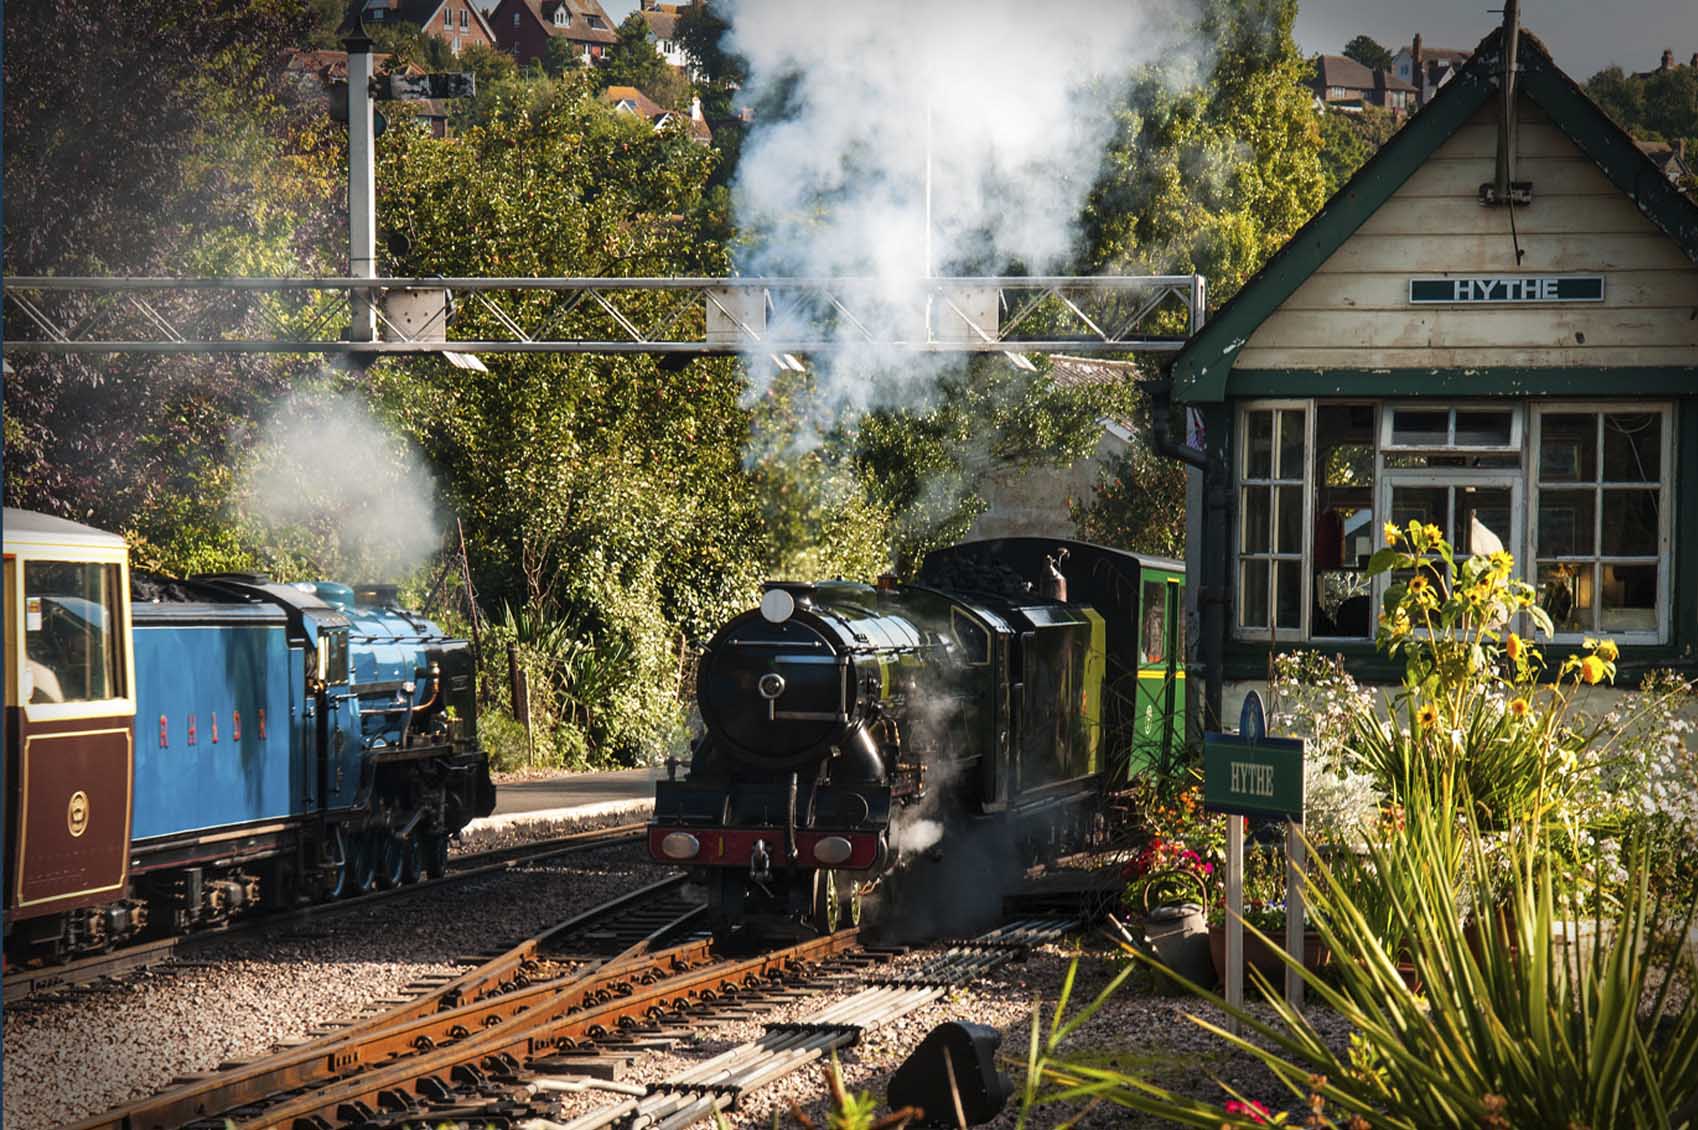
1578,493
72,632
1152,636
1271,521
1601,518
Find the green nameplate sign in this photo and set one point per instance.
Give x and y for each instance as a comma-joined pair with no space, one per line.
1257,776
1481,289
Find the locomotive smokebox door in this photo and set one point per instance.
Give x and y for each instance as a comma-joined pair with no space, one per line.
955,1062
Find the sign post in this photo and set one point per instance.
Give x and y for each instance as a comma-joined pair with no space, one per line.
1251,774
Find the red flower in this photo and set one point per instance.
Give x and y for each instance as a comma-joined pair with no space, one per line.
1252,1110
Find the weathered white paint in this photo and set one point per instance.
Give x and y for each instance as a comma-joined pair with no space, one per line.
1354,313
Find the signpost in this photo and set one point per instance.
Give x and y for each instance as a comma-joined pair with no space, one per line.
1251,774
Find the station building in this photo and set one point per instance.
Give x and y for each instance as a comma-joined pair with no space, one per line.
1526,378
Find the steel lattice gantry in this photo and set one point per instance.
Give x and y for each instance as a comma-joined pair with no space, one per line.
1084,315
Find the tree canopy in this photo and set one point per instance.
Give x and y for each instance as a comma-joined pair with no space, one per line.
1367,52
1661,105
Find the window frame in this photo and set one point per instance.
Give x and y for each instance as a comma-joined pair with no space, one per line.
1272,632
1664,488
122,703
1517,429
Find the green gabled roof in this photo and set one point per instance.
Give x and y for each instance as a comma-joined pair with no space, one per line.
1200,370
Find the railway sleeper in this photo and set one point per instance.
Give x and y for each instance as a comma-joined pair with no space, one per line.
852,1032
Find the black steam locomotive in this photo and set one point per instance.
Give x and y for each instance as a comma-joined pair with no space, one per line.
851,729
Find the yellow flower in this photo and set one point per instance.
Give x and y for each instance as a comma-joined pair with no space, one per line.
1592,669
1607,651
1417,584
1427,716
1393,534
1514,646
1433,532
1519,707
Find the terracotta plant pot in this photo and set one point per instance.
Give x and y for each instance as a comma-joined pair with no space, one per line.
1259,955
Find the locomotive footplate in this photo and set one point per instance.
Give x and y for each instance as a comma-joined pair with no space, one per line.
737,847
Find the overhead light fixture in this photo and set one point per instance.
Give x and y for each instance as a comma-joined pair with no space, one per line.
1020,361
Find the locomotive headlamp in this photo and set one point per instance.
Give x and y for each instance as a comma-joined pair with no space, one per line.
777,605
680,845
771,685
833,850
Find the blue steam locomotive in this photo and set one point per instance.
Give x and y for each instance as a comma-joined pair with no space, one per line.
179,751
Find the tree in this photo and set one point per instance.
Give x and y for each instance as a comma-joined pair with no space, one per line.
1367,52
1659,106
1348,139
720,73
635,61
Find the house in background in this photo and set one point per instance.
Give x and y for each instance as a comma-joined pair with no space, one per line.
1405,357
630,100
523,28
663,25
1671,160
1344,84
457,23
1435,66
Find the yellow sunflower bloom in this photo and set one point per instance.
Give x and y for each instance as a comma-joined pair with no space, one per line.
1520,707
1515,646
1607,651
1427,716
1592,669
1393,534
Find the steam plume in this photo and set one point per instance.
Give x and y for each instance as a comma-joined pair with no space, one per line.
324,463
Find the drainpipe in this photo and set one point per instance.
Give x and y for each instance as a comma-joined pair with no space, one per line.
1211,585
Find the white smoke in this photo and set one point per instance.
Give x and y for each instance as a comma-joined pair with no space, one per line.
323,463
1009,105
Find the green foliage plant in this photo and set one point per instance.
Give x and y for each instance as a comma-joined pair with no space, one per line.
1474,693
1534,1011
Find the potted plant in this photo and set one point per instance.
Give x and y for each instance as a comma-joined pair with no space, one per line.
1264,911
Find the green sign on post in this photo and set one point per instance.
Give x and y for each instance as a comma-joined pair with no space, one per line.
1258,776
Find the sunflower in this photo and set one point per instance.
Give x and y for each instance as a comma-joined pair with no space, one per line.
1427,716
1515,646
1592,669
1417,585
1393,534
1607,651
1520,707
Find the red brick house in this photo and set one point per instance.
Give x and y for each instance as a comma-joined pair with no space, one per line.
456,22
523,28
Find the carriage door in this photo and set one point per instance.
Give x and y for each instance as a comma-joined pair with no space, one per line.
1160,613
70,710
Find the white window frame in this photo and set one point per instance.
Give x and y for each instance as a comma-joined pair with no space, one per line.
1273,633
1665,511
1516,409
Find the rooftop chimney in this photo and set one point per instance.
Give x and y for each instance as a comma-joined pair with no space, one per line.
1418,71
1668,59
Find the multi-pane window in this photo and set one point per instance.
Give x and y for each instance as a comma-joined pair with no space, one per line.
464,22
447,17
1580,494
1274,447
1601,518
72,633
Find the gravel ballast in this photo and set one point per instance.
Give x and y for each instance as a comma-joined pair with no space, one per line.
237,997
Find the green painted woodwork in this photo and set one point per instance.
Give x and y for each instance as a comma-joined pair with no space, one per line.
1202,371
1668,380
1159,695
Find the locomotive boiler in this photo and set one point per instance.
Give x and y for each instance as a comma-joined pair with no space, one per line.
850,728
180,751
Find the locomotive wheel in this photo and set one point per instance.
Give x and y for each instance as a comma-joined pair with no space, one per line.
851,913
362,865
391,853
436,856
413,859
828,909
343,884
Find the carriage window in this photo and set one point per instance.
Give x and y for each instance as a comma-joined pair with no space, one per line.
72,632
1152,634
974,640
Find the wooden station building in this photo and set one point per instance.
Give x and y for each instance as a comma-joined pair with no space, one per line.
1524,376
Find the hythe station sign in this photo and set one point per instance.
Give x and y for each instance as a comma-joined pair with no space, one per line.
1494,289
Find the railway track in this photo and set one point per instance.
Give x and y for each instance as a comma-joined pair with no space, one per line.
25,983
596,981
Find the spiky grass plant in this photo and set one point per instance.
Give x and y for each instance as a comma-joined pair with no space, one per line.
1534,1010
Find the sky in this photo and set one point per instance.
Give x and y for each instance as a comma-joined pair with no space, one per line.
1584,36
